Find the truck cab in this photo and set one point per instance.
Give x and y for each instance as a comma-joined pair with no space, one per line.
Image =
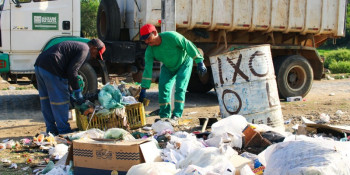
30,26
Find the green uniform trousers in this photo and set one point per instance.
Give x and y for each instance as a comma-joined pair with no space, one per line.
166,83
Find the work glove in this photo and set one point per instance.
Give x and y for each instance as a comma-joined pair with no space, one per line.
202,70
78,96
142,95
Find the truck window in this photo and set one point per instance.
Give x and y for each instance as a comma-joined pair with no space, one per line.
1,5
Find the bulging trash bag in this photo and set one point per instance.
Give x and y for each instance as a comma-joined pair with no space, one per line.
153,168
110,97
306,157
111,104
118,133
104,98
109,88
117,96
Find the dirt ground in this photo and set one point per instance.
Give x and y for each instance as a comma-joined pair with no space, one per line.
326,96
20,115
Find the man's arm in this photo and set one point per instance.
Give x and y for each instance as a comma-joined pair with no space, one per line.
193,52
147,73
190,48
74,66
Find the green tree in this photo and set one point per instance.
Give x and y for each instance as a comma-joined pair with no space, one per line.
335,56
89,10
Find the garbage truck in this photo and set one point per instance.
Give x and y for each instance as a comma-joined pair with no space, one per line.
293,28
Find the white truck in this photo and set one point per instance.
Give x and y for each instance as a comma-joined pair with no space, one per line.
293,28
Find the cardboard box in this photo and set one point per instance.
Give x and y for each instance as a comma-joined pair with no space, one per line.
103,157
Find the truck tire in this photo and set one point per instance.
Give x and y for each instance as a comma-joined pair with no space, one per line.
89,77
196,86
294,76
108,20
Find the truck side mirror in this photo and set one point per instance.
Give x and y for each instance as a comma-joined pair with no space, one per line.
18,5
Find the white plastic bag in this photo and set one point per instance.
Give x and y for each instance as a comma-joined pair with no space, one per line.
324,118
246,170
180,145
58,151
194,170
153,168
160,126
129,100
171,155
210,159
91,133
233,125
306,156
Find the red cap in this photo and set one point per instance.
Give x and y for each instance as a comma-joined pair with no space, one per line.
101,51
99,45
146,30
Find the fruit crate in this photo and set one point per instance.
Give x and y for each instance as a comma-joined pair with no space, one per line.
135,119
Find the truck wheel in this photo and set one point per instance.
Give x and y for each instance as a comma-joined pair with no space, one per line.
108,20
89,77
196,86
294,76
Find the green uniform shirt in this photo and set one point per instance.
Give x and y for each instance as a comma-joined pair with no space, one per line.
172,52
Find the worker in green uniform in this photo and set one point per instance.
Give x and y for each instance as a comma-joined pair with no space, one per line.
177,55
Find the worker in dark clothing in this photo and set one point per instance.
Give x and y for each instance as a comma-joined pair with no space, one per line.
56,69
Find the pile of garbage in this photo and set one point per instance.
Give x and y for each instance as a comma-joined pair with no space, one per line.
232,146
235,146
36,155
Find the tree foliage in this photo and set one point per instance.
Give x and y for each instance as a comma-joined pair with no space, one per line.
88,18
334,56
340,67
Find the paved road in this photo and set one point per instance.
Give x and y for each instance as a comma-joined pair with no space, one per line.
24,104
20,104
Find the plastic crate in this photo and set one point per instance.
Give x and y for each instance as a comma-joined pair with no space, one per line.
135,116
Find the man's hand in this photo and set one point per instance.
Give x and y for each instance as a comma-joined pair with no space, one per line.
142,94
78,96
202,70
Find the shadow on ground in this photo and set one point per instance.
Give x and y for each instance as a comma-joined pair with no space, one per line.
192,100
20,106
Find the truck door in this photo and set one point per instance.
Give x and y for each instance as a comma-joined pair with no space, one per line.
34,22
